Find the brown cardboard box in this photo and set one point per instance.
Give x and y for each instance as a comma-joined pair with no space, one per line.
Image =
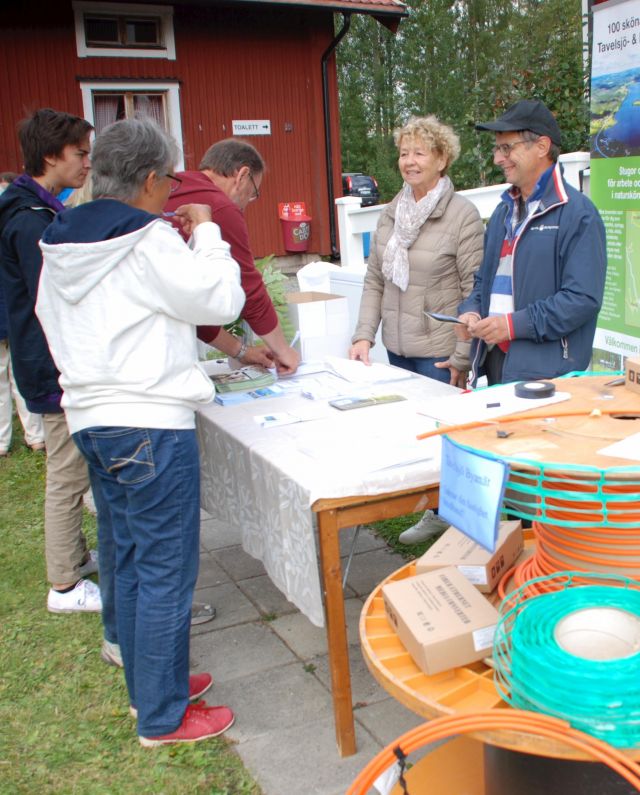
442,620
632,370
484,569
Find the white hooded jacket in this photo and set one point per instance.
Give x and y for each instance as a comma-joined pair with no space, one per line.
120,295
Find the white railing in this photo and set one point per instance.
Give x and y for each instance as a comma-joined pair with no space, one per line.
354,220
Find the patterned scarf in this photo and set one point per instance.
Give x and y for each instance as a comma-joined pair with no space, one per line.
410,216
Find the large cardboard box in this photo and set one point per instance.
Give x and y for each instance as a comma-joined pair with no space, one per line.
482,568
442,620
632,372
323,322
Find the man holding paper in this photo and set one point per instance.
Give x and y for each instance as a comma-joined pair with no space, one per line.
536,297
228,180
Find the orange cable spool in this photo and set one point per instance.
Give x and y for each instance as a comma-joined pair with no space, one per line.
569,542
519,721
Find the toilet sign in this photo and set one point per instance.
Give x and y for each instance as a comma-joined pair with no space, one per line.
251,127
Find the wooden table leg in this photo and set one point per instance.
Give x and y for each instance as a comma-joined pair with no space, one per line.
336,631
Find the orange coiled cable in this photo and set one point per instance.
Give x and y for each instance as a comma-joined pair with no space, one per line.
558,548
519,721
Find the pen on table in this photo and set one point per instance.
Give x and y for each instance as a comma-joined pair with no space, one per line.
493,405
296,337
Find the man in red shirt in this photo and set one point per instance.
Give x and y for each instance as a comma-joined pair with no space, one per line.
228,179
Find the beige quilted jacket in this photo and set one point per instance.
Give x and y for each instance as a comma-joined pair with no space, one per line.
442,262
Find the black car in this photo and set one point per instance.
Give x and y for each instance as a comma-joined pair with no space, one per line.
356,184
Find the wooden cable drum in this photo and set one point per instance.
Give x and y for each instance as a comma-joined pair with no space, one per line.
462,691
584,505
520,724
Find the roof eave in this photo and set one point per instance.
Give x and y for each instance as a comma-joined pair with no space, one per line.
387,15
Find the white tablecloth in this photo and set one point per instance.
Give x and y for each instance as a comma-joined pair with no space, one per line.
264,480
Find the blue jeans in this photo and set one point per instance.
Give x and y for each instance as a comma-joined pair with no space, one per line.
150,482
422,365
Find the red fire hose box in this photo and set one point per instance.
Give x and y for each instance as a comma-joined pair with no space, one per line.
296,225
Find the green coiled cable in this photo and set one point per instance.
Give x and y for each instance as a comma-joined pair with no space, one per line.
533,671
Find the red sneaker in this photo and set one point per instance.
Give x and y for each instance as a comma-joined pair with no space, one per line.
198,686
199,723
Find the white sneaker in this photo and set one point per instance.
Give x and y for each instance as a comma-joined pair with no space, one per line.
110,653
430,525
91,566
84,598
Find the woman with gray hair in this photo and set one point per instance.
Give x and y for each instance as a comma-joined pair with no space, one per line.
119,297
425,251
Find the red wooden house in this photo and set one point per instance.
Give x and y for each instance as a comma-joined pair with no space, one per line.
206,69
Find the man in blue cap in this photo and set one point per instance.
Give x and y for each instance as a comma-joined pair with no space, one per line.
533,310
536,296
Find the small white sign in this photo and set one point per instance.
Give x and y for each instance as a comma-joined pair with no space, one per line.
251,127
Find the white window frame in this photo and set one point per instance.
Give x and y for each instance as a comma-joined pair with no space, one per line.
172,91
164,14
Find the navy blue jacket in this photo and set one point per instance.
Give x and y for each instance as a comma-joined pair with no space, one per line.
23,219
559,270
4,333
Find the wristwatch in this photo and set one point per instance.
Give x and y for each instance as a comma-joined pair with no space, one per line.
242,351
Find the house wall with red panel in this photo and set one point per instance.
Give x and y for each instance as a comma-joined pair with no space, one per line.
232,63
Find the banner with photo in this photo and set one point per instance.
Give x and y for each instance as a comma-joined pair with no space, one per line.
615,174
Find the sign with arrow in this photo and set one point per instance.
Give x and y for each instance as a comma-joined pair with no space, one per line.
251,127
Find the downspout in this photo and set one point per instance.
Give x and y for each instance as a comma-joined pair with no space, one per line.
335,254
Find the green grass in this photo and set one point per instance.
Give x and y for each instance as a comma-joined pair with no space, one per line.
64,721
390,529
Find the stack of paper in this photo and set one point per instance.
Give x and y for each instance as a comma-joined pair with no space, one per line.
233,398
251,377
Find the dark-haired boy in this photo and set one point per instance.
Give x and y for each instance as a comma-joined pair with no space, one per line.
55,148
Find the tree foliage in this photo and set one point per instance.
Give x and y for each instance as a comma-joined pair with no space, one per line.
464,61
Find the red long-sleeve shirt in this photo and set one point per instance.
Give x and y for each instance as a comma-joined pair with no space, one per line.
258,311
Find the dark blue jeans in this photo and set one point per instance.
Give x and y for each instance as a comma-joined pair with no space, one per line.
150,483
422,365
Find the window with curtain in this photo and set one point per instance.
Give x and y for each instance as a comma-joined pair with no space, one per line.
110,107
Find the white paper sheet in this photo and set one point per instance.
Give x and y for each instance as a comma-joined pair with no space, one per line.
483,404
625,448
359,373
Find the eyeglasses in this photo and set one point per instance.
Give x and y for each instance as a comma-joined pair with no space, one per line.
175,182
505,149
256,192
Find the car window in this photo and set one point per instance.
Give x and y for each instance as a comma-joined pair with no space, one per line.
362,182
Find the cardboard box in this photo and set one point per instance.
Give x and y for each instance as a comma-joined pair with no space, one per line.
323,322
442,620
632,371
482,568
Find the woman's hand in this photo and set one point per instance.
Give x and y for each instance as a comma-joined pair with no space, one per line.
359,351
191,215
458,377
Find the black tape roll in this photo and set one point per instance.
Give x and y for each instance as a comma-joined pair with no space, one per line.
535,390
